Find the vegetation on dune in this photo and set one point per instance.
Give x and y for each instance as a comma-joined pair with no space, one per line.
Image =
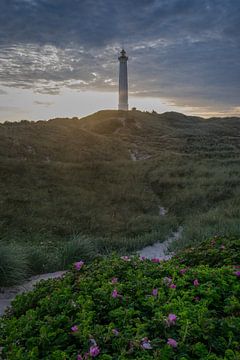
130,308
215,253
19,261
76,177
13,265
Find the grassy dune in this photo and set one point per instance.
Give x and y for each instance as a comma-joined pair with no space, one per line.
75,178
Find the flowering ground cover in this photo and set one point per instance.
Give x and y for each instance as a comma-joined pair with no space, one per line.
130,308
217,252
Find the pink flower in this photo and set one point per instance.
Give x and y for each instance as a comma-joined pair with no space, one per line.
171,320
125,258
74,328
142,258
115,332
94,351
222,247
79,357
197,298
78,265
196,282
115,294
237,273
155,260
114,280
172,343
183,271
173,286
154,292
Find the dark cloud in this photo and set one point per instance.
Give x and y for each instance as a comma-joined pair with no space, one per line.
99,22
186,51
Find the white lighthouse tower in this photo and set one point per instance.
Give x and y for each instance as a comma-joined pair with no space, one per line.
123,81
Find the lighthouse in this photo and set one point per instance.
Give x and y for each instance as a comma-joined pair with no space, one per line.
123,81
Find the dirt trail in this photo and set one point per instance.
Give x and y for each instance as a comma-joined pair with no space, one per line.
160,250
123,122
9,293
136,156
162,211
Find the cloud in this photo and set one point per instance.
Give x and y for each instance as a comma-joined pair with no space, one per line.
9,108
43,103
185,51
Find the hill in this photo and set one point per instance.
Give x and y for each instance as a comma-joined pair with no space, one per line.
105,178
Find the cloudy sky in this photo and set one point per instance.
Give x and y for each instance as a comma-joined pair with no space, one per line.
59,57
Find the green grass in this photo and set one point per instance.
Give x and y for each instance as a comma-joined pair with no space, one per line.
75,176
79,247
14,265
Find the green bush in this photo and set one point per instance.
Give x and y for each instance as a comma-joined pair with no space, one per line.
128,308
218,251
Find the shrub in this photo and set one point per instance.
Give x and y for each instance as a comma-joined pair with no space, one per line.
128,308
216,252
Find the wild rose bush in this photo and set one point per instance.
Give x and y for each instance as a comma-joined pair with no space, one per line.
216,252
128,308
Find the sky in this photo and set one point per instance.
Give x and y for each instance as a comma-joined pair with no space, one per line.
59,58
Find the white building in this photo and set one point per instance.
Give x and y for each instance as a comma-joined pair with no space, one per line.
123,81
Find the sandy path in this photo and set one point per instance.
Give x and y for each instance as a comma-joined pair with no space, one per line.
160,250
9,293
162,211
136,156
123,122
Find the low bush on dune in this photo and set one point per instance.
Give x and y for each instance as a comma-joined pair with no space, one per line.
217,252
129,308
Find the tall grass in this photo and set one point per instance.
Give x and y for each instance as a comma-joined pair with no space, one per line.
41,259
14,265
219,221
80,247
19,262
